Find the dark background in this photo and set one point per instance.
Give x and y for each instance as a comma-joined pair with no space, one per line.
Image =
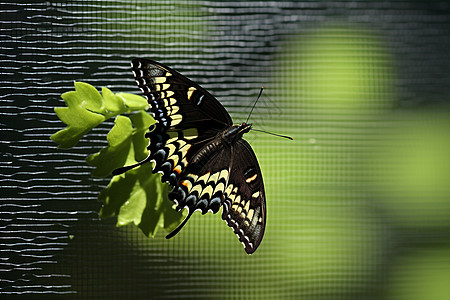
358,204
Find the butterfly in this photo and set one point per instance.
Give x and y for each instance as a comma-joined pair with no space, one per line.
200,153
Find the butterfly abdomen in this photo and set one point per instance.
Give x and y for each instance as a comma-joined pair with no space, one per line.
204,155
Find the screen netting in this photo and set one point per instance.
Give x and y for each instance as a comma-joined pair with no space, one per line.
358,204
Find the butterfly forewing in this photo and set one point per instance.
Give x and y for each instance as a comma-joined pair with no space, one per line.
175,99
187,117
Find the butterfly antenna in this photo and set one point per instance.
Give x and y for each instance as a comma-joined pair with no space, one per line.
254,104
275,134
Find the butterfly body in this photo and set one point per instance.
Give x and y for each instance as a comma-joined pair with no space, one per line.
200,153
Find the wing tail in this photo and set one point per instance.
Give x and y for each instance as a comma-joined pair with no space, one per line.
176,230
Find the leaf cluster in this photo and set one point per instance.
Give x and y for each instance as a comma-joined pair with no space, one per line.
137,196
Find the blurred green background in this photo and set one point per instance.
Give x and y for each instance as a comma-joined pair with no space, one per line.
358,204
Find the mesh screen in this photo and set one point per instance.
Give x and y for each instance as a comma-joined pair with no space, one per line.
358,204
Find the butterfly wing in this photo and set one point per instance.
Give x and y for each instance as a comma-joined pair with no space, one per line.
203,184
244,207
230,177
187,149
187,117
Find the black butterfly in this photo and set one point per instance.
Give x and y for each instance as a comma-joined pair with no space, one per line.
198,150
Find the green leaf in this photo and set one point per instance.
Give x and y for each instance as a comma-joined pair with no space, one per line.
112,101
126,145
138,197
86,108
141,122
160,213
79,121
134,102
90,97
120,151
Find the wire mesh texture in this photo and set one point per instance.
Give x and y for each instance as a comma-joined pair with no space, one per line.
358,204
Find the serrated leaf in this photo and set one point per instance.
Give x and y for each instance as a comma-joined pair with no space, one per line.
139,197
90,97
134,102
112,102
120,151
79,121
86,109
71,98
126,145
132,210
141,121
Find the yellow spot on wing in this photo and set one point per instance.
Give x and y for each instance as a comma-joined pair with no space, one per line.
231,197
247,206
172,110
224,175
248,180
204,177
160,79
171,140
250,214
214,177
177,169
198,188
228,190
187,184
219,188
193,176
172,149
190,133
181,143
207,190
175,159
255,195
190,92
176,119
184,150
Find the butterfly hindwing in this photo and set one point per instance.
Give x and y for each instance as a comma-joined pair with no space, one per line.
229,177
244,208
203,185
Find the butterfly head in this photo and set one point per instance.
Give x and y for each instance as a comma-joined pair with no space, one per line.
235,132
245,127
